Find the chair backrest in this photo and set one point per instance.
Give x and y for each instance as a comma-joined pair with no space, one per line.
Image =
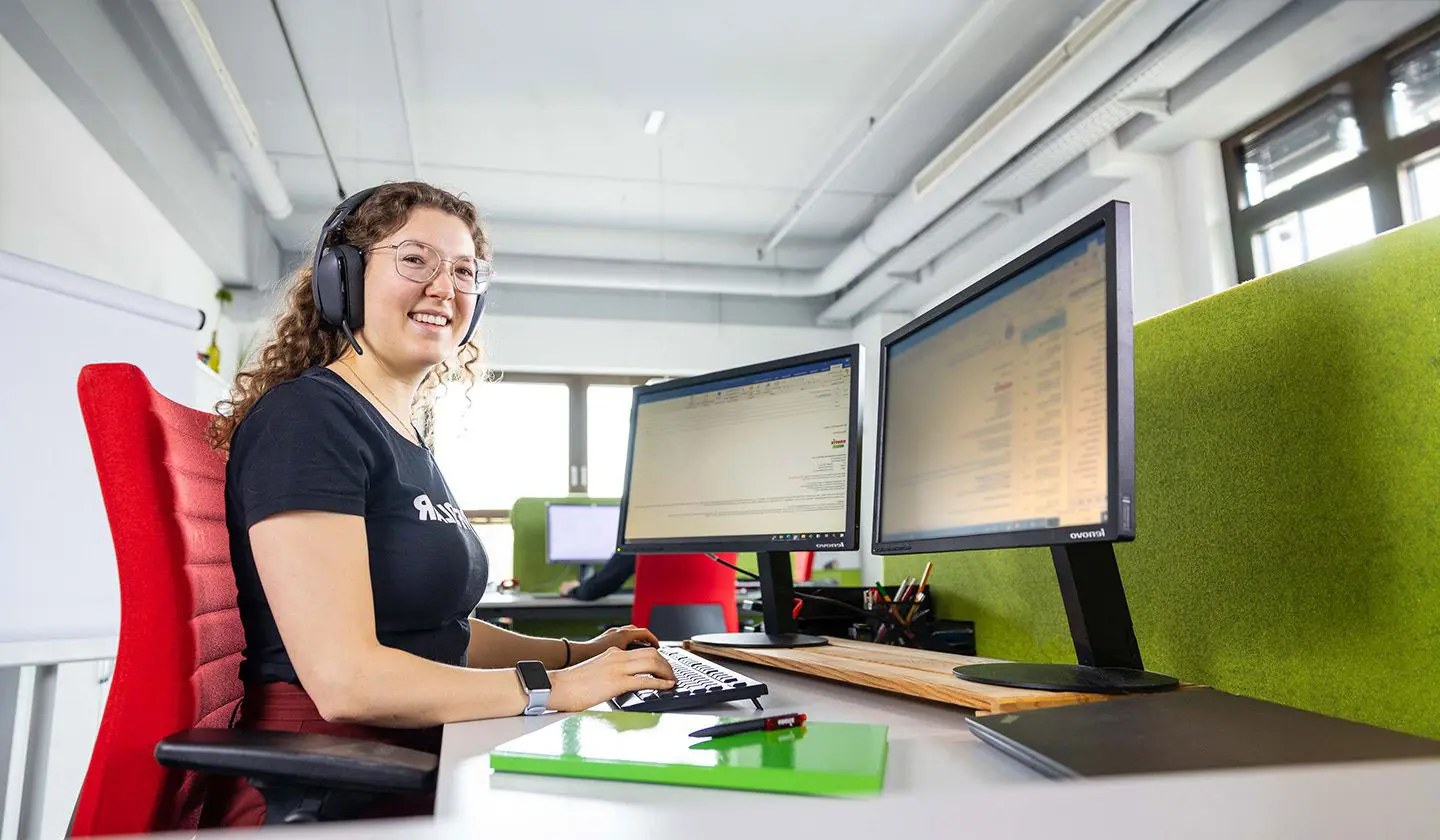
803,565
178,661
676,579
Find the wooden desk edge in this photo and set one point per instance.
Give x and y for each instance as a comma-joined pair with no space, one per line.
851,665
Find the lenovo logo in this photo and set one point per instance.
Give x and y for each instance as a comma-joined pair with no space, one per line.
1087,535
829,545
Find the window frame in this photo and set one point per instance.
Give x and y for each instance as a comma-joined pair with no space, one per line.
577,383
1379,166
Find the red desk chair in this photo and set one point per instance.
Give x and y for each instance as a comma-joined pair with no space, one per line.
681,595
176,681
803,565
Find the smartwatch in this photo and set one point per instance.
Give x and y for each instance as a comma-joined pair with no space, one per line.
536,682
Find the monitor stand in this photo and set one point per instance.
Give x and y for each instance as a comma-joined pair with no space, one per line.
1105,644
777,594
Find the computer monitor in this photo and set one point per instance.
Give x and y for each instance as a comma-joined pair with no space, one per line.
1006,419
763,458
584,533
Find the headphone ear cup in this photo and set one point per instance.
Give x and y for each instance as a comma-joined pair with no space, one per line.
326,286
352,276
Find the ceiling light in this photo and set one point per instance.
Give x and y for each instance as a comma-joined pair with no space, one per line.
652,125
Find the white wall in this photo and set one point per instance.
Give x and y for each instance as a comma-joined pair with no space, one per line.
64,201
1180,228
599,345
1180,244
868,333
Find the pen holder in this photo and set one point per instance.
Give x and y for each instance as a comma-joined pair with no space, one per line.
905,623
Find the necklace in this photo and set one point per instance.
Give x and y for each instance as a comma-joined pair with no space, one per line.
404,428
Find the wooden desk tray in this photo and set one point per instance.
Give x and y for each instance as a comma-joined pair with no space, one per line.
916,673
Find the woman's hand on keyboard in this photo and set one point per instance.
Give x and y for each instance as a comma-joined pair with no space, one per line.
615,637
608,675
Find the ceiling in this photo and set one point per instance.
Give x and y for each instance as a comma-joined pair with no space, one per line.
535,110
1023,111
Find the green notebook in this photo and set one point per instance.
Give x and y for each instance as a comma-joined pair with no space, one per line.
836,759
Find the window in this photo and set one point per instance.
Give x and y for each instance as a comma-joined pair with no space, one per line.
1346,160
1422,188
530,435
1314,232
1317,140
514,441
607,437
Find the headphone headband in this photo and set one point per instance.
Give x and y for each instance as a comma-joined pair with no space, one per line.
337,219
338,276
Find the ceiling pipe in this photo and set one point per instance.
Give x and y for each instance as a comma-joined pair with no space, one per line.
198,49
1107,114
976,23
908,214
653,276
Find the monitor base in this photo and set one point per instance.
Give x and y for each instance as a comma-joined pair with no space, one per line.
1082,678
760,640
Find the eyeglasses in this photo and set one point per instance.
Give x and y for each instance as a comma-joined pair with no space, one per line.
420,263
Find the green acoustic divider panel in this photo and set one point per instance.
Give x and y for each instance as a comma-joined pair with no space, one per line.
527,520
1287,496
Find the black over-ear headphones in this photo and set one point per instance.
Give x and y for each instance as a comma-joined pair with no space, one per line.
338,278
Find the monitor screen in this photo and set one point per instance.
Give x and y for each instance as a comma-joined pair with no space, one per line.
1000,414
758,458
581,533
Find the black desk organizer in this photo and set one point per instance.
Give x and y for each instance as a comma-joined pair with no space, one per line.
840,611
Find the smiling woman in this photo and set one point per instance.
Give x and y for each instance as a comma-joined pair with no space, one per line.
355,567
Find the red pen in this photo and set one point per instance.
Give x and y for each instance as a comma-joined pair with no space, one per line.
756,725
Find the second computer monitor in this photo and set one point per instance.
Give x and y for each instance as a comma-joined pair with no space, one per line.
581,533
760,458
1006,413
764,458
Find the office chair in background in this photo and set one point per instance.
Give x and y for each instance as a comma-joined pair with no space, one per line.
176,682
682,595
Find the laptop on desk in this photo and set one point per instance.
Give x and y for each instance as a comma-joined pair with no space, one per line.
1188,729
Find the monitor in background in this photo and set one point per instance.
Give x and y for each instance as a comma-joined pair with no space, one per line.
1006,419
763,458
581,533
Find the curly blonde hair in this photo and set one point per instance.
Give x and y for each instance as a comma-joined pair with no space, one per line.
301,340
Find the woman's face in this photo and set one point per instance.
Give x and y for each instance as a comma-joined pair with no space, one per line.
397,308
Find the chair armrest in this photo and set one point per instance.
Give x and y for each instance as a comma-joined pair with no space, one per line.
307,760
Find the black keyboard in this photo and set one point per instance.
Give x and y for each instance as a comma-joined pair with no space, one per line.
698,682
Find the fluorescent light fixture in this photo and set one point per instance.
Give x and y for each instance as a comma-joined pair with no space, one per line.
652,125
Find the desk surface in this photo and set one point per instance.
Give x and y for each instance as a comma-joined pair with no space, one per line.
931,749
940,773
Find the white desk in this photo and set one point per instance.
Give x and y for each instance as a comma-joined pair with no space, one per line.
951,784
940,783
931,750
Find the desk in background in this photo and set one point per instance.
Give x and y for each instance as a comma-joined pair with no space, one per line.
548,606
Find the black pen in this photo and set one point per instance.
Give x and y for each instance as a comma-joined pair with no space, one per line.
756,725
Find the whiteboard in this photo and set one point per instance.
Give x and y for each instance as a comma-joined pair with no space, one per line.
57,562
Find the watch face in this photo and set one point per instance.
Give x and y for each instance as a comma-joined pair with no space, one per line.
532,675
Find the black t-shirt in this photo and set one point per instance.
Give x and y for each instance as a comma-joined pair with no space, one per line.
314,443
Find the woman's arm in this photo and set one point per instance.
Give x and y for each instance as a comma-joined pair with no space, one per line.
496,647
608,580
316,575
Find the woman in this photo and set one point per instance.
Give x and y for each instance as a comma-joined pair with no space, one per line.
356,570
